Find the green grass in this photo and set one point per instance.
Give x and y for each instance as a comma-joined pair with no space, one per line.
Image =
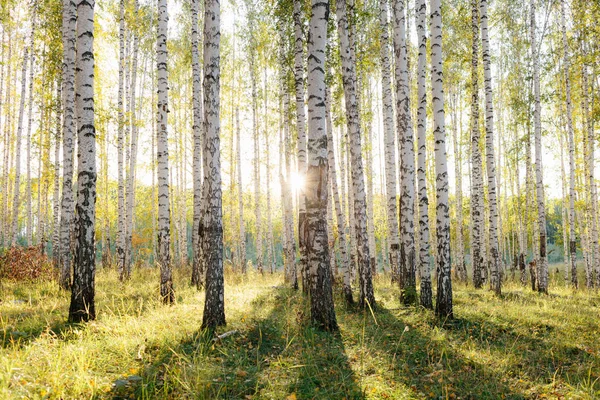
525,345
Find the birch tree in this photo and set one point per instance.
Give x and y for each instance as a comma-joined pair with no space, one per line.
321,296
390,151
211,224
571,142
197,155
130,202
82,306
339,212
347,54
423,261
16,191
69,20
162,155
29,123
120,248
405,136
593,191
301,127
495,278
477,260
443,305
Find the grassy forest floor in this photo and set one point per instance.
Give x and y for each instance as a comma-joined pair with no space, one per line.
525,345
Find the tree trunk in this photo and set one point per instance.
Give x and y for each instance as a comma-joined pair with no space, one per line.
197,132
391,187
120,148
16,199
242,237
211,224
423,261
130,202
443,306
339,212
82,306
317,249
405,135
270,250
367,296
256,141
69,19
495,278
542,267
477,188
301,126
56,196
29,123
369,174
164,218
593,192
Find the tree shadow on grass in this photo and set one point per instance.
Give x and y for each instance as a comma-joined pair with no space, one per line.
272,356
403,360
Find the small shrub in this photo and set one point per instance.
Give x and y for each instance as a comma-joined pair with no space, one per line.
25,264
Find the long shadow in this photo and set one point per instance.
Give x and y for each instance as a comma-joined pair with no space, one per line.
272,356
424,364
537,351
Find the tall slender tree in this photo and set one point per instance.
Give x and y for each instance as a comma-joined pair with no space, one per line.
69,20
477,246
120,147
197,100
82,306
16,191
407,160
339,212
443,305
347,54
211,224
423,260
495,278
29,124
390,150
571,141
301,127
164,218
133,124
321,296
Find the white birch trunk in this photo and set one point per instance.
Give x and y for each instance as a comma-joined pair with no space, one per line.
16,191
69,19
391,187
407,160
477,221
424,259
443,306
29,123
316,241
197,152
358,180
339,212
120,148
495,278
542,268
301,127
211,224
133,152
164,218
82,306
593,192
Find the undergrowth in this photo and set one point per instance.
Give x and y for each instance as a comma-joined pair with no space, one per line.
523,345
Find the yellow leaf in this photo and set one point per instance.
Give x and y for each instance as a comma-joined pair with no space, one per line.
291,397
